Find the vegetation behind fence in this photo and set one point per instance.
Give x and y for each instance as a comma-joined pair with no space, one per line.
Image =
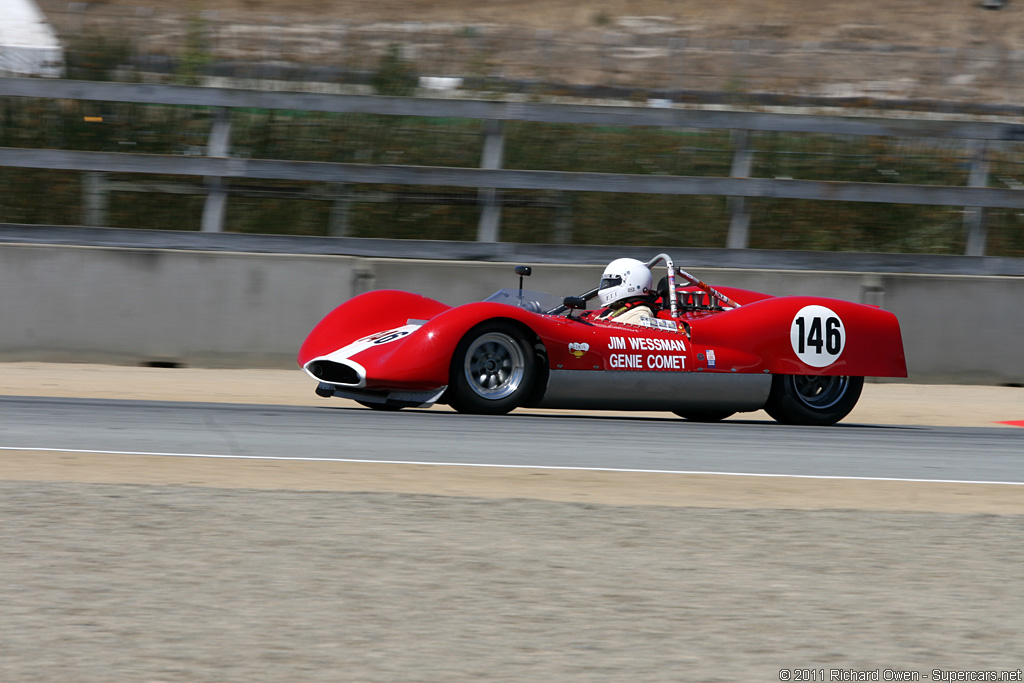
528,216
450,213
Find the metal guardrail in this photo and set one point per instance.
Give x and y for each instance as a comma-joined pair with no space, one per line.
508,252
218,165
508,111
505,179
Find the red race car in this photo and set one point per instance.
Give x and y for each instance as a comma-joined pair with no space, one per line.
700,352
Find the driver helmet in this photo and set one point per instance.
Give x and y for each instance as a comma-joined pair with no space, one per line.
624,278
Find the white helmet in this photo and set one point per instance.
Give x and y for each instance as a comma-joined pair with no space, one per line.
623,278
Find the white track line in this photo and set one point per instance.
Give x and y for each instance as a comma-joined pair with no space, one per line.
512,467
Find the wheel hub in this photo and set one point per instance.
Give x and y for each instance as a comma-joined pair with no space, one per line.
495,366
818,391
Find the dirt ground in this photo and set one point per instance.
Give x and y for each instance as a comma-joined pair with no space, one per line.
913,22
146,569
110,583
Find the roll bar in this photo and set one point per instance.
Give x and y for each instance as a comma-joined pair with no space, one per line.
673,271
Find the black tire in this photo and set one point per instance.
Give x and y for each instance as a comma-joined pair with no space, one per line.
704,415
812,399
379,406
493,370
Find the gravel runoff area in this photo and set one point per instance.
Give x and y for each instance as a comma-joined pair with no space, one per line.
131,568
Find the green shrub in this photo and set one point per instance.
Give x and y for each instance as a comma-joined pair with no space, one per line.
394,75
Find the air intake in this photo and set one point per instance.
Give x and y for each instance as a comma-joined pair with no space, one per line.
334,373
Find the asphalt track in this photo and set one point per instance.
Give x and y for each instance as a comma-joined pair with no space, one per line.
585,442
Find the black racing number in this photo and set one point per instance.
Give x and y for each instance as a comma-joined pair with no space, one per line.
833,338
812,336
392,336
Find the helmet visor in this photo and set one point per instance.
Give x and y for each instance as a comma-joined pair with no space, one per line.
607,282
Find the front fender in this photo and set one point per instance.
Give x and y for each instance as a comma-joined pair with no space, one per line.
423,359
417,358
364,315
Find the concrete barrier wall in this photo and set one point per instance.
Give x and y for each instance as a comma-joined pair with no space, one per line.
132,305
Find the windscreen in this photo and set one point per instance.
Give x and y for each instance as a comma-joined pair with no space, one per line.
536,302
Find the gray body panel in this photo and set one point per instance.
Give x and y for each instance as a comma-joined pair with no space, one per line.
630,390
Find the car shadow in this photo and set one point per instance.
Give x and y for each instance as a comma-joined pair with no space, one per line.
668,419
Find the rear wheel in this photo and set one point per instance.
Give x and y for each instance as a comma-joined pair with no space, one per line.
703,415
493,370
812,399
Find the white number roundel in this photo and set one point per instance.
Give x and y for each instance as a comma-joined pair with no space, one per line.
818,336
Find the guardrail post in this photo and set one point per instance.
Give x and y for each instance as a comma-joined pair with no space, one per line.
95,199
974,216
337,222
739,223
217,196
562,219
488,229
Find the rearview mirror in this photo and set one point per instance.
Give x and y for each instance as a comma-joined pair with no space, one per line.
576,302
523,270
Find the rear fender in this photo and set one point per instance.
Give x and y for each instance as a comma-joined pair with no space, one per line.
800,335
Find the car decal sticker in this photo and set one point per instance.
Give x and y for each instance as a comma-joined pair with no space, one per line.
817,335
646,362
578,349
659,324
648,353
375,339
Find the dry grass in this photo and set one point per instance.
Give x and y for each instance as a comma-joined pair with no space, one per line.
914,22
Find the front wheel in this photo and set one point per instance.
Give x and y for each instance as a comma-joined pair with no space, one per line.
493,370
812,399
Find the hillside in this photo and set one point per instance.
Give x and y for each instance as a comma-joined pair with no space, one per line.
948,23
875,49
